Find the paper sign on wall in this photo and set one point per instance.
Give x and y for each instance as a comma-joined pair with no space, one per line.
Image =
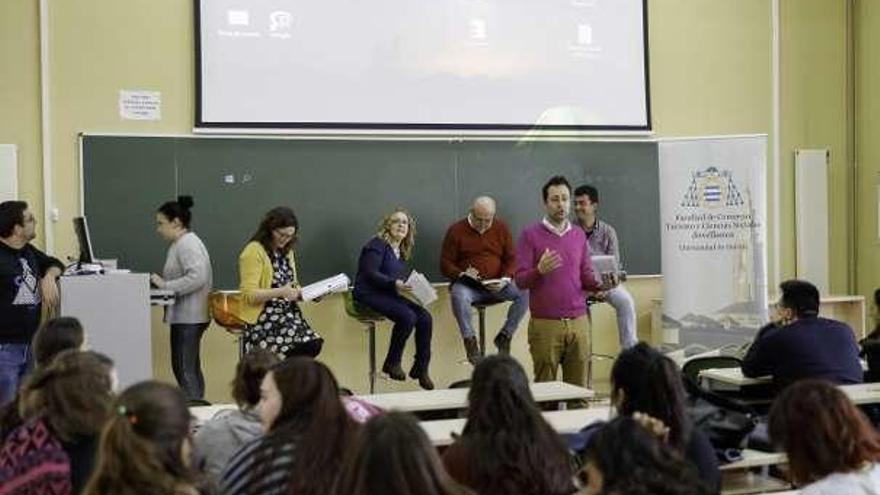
140,105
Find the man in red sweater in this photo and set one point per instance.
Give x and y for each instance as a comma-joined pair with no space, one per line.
478,257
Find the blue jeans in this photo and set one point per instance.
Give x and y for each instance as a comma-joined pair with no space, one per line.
464,295
185,358
622,302
15,362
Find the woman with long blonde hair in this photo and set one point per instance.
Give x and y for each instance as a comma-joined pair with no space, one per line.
381,285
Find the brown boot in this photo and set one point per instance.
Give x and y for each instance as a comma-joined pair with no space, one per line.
472,350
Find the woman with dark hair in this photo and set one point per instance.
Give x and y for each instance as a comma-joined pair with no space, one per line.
56,335
380,285
64,406
145,447
306,433
623,458
644,380
216,440
507,446
270,290
188,274
831,446
393,456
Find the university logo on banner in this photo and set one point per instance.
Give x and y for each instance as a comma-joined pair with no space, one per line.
712,209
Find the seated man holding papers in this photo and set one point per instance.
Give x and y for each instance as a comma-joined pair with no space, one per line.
478,256
800,344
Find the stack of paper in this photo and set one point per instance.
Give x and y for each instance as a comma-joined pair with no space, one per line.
422,290
337,283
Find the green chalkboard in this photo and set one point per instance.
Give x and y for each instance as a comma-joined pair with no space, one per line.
341,188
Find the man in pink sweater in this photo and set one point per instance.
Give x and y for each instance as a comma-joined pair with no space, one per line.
553,263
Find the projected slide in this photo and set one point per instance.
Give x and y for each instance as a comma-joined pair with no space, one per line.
422,64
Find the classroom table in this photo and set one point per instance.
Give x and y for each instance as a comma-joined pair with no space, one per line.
432,400
441,432
456,398
732,379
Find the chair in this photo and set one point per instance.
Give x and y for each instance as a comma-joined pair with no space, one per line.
481,319
591,301
369,318
224,310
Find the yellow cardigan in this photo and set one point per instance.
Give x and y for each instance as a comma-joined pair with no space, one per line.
255,272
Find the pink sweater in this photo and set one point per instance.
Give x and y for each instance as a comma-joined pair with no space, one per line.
560,293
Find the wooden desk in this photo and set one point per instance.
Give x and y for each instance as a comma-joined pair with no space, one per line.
456,398
755,458
730,378
746,482
564,422
864,393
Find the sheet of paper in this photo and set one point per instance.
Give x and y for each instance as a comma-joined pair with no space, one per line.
140,105
495,281
336,283
422,290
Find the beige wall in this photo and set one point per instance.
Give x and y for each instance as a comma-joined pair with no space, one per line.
710,74
20,95
867,144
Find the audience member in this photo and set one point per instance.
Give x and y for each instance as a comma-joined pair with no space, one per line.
624,458
145,446
831,446
644,380
64,406
800,344
306,433
56,335
393,456
507,446
380,284
216,440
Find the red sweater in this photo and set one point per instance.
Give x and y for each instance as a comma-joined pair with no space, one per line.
492,253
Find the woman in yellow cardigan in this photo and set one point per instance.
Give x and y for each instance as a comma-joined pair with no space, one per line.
270,290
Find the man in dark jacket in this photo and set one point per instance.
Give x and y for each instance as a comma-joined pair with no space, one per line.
802,345
28,278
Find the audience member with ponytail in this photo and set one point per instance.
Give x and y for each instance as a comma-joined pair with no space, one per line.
145,446
64,406
831,446
644,380
307,432
392,455
507,446
188,274
624,458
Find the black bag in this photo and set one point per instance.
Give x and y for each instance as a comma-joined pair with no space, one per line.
726,422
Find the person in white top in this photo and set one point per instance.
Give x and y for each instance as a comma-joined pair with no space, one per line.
832,448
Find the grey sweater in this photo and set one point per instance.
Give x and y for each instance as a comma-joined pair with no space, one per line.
187,272
217,440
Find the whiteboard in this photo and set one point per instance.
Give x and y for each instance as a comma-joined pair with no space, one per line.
811,217
8,172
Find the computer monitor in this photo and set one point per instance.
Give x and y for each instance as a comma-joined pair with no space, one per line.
81,227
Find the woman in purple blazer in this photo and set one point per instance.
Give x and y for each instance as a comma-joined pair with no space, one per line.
379,285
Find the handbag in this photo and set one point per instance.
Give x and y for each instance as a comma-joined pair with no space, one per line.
726,422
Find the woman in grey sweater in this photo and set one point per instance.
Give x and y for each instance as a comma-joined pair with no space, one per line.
187,272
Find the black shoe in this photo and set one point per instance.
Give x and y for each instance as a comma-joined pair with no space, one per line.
423,378
394,371
472,350
502,343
